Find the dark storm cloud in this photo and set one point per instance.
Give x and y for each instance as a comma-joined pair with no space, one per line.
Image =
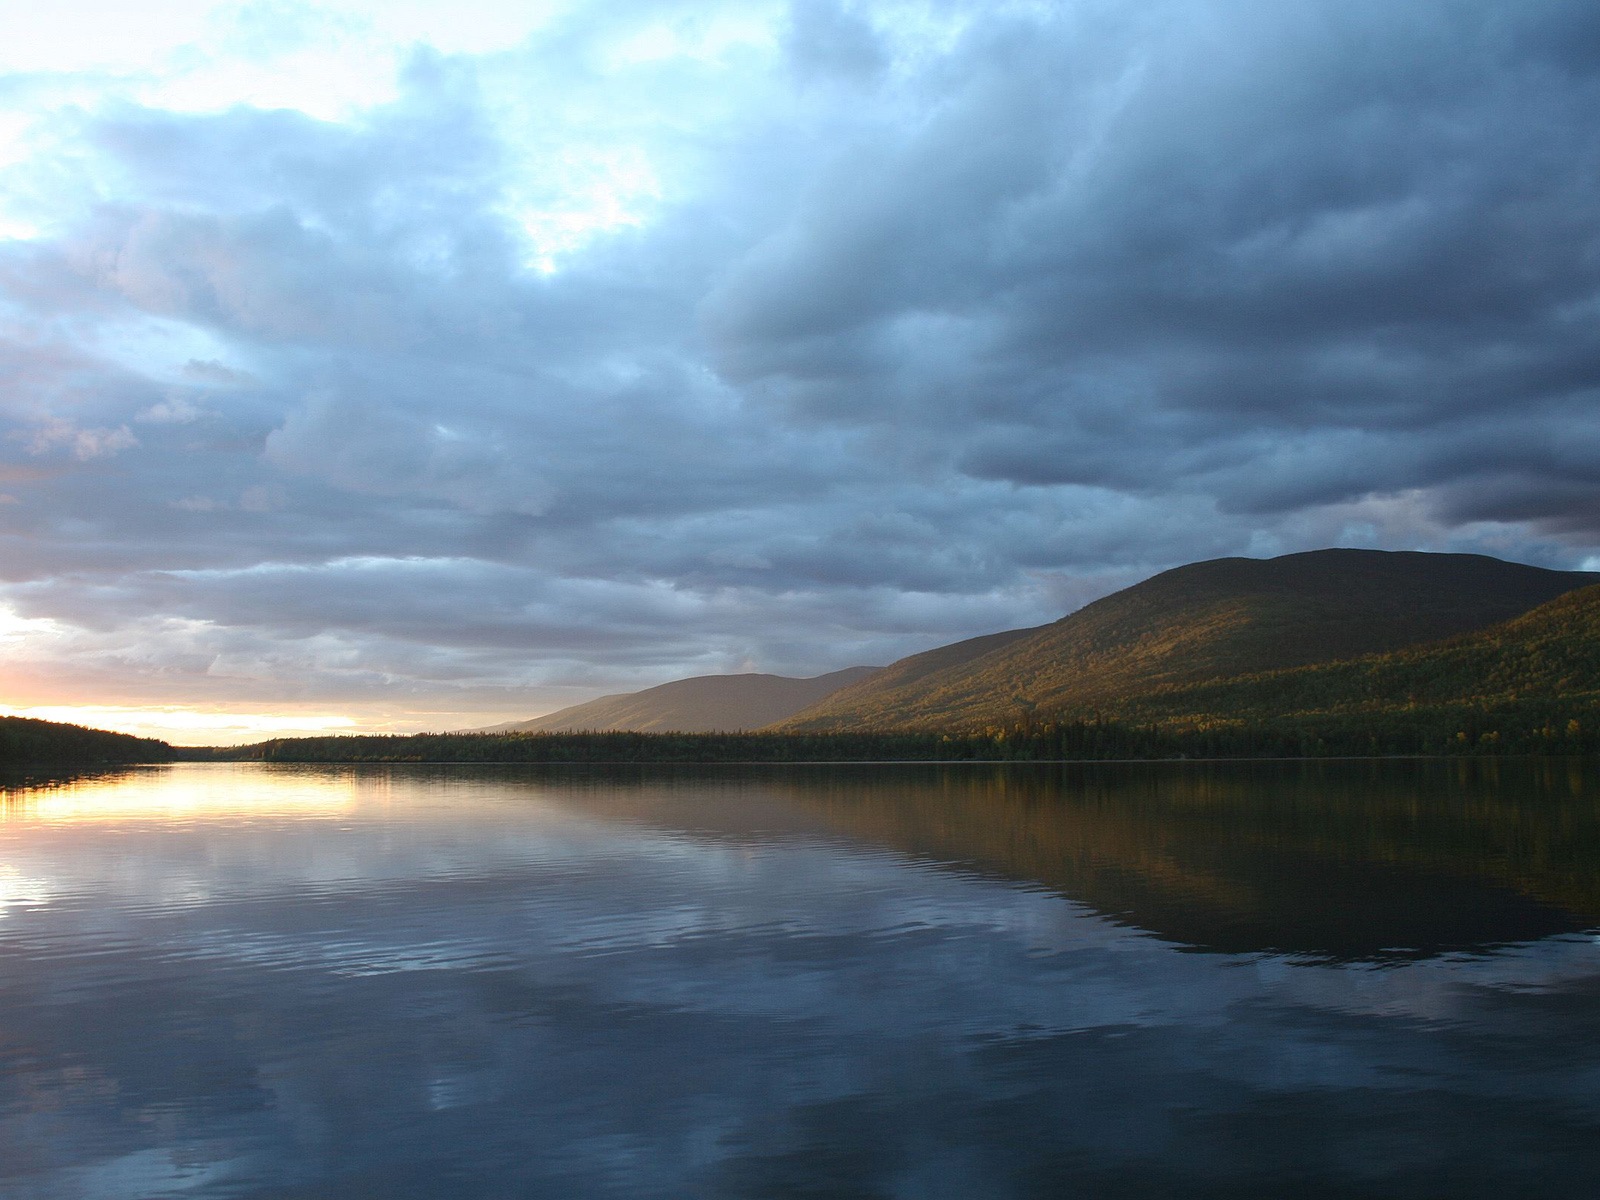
894,324
1161,243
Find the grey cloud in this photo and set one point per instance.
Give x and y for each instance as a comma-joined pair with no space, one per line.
912,340
1315,220
829,42
385,451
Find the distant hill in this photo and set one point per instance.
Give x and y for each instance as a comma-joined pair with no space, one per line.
25,741
1194,625
703,704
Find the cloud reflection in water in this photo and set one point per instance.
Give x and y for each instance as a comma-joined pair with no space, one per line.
503,983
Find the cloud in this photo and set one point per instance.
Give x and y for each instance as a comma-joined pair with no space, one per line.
1172,242
176,410
82,444
821,333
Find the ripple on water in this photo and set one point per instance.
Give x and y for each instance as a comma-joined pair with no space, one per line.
901,982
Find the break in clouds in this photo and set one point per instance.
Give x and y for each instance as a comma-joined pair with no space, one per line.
655,339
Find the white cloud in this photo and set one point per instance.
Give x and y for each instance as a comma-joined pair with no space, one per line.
174,410
83,444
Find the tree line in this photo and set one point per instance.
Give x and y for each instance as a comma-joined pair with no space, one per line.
1534,728
24,740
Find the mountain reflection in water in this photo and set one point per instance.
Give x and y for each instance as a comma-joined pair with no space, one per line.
962,981
1335,861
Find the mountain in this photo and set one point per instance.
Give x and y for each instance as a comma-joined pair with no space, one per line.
910,673
704,704
1196,624
1543,665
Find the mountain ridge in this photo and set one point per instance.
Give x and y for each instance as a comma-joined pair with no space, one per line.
699,704
1206,621
1547,655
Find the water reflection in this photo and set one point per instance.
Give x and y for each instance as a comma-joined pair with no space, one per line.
133,795
833,982
1334,861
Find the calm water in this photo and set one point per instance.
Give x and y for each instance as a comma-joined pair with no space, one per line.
1345,979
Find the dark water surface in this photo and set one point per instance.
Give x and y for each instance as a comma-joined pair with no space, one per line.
1338,979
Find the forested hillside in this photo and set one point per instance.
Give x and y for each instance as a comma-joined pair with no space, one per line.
1196,625
26,741
1537,675
1528,685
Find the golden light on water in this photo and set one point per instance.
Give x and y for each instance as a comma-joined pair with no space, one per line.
185,792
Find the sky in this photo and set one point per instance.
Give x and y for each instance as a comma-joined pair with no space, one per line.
383,367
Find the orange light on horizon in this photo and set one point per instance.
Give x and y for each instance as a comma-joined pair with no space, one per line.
189,726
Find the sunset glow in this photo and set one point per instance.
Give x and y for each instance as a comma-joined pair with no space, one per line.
189,727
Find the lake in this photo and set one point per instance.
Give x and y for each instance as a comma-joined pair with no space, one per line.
965,981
